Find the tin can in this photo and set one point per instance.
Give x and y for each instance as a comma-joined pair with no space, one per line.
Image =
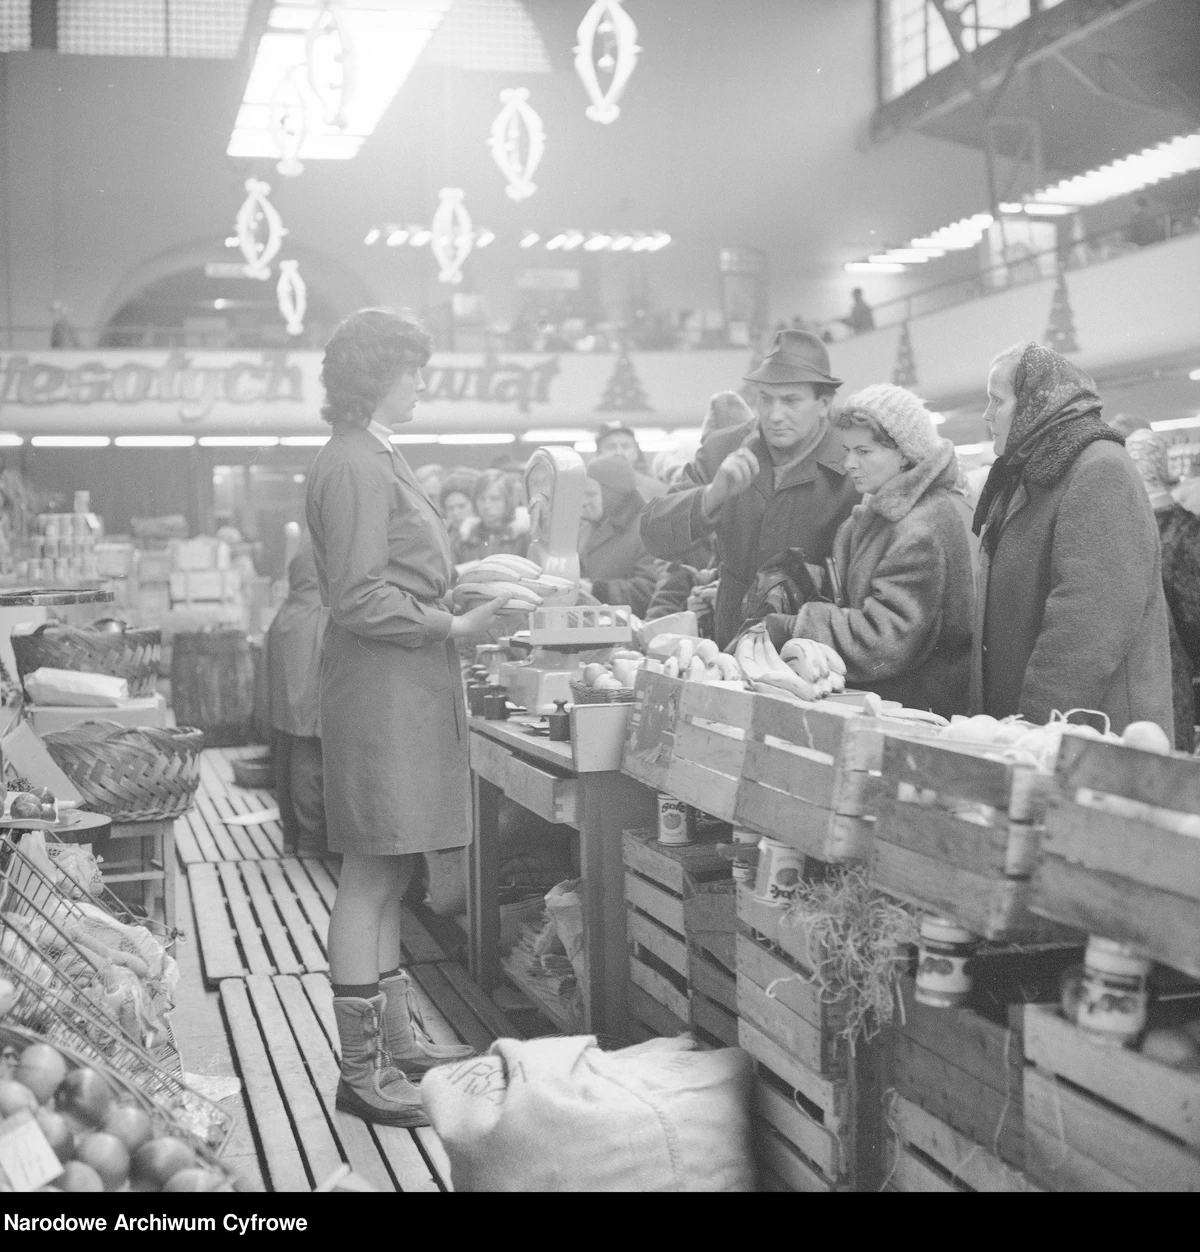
676,821
1114,995
944,977
744,868
780,869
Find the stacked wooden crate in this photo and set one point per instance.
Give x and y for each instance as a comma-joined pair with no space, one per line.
1121,860
680,925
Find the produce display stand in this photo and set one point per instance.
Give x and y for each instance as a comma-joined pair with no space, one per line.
149,861
581,789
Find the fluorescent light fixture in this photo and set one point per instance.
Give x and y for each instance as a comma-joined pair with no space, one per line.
232,241
622,242
1176,156
660,240
1036,209
585,445
597,243
304,441
1010,207
155,441
553,245
396,238
642,243
572,240
385,40
901,256
490,437
554,436
238,441
372,236
419,238
873,267
414,438
484,238
529,238
70,441
1176,423
10,439
1194,375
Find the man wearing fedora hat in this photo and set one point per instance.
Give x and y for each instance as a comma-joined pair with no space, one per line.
763,488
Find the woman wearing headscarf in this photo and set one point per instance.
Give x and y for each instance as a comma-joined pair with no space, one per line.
1179,534
613,561
905,587
1071,613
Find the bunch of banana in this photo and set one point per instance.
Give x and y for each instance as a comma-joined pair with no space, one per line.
506,575
766,671
685,656
816,663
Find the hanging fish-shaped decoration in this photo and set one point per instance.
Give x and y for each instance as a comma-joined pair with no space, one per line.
453,237
260,230
516,117
331,63
292,295
606,23
289,122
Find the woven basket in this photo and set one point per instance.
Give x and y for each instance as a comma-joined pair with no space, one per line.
131,773
583,694
131,652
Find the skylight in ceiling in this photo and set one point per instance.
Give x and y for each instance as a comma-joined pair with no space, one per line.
496,36
385,38
152,28
14,25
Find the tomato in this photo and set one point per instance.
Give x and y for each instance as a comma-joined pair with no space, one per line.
77,1176
58,1133
86,1096
15,1096
156,1162
41,1069
131,1125
107,1155
194,1180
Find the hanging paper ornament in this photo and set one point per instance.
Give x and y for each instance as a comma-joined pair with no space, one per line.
292,295
453,238
260,230
607,25
289,122
505,142
1060,334
331,64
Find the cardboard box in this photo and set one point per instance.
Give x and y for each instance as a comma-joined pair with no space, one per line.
207,584
155,567
202,553
144,711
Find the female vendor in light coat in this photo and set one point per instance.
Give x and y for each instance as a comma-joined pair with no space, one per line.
393,721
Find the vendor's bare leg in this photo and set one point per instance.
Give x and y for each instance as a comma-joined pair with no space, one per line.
369,888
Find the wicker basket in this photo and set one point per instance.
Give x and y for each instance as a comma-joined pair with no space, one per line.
581,693
131,773
129,652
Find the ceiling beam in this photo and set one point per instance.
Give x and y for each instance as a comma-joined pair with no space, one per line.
1104,93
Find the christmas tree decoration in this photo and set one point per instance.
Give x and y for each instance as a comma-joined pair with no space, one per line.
260,230
289,121
453,237
607,45
1060,334
515,121
292,295
331,64
905,372
624,392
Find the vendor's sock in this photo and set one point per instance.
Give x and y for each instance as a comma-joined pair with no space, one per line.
392,973
355,991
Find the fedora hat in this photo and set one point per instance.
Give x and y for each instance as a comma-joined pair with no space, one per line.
796,356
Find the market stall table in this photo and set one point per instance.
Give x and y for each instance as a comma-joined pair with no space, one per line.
577,785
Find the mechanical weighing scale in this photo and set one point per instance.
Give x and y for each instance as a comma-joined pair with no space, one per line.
563,635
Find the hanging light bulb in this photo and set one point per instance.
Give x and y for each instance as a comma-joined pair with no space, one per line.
260,230
331,64
515,118
292,295
453,237
606,23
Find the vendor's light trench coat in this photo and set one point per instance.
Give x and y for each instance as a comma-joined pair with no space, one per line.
393,721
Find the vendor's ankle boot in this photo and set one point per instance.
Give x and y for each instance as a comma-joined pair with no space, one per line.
371,1087
407,1040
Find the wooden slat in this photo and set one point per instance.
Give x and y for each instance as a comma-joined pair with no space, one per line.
800,1039
935,833
186,847
206,844
312,955
915,1176
274,934
280,1153
315,909
496,1021
648,934
830,1096
248,935
659,988
817,1144
712,1017
776,1154
819,730
799,990
647,1010
317,1143
213,930
710,921
1169,782
322,877
229,805
248,839
230,843
712,980
950,771
665,909
678,870
790,773
419,945
469,1028
804,826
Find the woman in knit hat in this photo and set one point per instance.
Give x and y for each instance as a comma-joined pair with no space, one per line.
615,565
905,598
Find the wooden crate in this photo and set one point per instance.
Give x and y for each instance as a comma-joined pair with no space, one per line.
1129,878
680,921
925,1154
802,1118
798,773
963,1069
1102,1118
958,833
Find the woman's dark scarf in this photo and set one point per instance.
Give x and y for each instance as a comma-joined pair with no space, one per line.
1057,416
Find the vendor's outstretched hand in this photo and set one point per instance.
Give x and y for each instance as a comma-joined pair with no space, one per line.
473,624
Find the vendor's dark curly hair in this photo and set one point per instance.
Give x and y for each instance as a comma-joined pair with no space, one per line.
365,355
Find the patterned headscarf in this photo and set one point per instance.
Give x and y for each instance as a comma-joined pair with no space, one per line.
1057,416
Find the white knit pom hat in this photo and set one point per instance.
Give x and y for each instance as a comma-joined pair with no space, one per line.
901,414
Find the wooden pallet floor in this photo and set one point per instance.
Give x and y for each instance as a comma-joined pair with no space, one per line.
284,1037
272,917
202,835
